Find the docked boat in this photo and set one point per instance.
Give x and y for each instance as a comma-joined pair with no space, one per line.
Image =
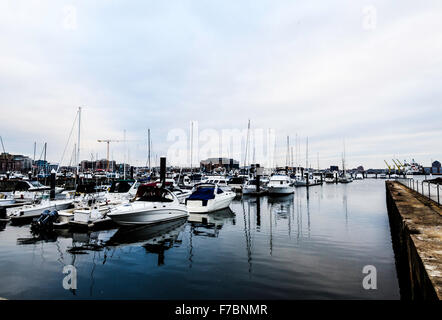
28,212
220,181
88,218
236,183
330,177
250,187
151,205
6,200
209,197
280,184
359,176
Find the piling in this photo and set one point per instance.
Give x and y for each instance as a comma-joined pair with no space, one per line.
415,224
52,194
163,171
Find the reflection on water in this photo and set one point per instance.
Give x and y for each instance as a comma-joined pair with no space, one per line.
311,245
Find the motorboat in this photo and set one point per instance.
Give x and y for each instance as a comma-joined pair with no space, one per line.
122,191
28,212
250,187
359,176
151,205
279,184
209,197
330,177
345,178
6,200
221,181
89,217
236,183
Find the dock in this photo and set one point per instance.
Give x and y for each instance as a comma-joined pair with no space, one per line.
416,230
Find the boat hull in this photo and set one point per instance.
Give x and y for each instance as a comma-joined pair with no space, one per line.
280,190
148,217
196,206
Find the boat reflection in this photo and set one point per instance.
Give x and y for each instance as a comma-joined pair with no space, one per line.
208,225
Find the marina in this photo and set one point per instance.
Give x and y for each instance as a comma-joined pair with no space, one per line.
219,159
312,245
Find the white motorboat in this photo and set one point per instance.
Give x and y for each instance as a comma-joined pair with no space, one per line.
249,187
220,181
152,205
6,200
89,218
359,176
236,183
330,177
28,212
345,178
121,191
209,197
279,184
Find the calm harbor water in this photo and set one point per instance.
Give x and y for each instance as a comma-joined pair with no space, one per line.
306,246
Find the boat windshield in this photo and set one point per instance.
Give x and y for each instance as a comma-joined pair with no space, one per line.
237,180
120,186
36,184
153,194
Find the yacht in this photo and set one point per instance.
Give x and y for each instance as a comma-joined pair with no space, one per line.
151,205
280,184
250,187
209,197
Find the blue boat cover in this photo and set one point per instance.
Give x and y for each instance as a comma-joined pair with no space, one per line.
205,193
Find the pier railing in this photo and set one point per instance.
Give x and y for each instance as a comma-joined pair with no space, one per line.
426,188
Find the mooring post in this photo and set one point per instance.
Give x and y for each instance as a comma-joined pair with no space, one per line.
429,196
52,194
438,202
258,178
163,171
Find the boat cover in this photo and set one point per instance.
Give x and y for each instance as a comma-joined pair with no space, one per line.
204,193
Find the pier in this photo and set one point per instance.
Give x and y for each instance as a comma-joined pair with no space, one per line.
415,223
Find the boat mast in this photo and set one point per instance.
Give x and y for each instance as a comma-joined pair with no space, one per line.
191,147
306,155
125,154
148,150
247,144
78,143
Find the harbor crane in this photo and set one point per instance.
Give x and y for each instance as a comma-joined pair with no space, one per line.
399,167
389,167
108,141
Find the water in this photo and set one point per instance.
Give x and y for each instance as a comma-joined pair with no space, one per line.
296,247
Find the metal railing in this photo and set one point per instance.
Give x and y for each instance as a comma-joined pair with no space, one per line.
430,190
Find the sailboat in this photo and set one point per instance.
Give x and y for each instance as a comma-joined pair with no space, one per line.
344,178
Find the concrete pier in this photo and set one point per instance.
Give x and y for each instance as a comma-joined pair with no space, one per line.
416,229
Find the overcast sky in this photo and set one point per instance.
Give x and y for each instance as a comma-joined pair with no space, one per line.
369,72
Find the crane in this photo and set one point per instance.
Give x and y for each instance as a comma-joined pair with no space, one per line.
397,165
389,167
108,141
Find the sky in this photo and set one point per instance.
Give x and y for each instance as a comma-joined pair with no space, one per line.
361,75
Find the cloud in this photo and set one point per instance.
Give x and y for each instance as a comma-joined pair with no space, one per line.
297,67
